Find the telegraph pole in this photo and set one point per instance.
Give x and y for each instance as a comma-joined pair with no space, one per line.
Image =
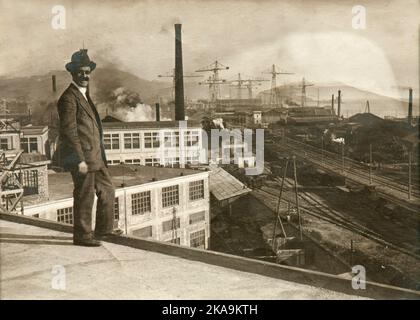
409,175
297,198
370,163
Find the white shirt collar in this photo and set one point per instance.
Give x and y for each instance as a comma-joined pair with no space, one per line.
81,89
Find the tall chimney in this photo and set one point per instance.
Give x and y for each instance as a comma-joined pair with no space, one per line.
157,112
339,104
332,104
410,106
54,84
179,76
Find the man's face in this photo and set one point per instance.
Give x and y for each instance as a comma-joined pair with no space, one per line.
81,76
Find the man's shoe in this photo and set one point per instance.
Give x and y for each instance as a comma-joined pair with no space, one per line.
116,232
87,242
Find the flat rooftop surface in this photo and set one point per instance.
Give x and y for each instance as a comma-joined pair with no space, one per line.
29,255
60,184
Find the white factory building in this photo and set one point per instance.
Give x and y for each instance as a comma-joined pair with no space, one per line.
165,204
153,143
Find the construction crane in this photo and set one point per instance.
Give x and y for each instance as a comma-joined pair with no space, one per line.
273,92
246,84
172,75
303,96
214,81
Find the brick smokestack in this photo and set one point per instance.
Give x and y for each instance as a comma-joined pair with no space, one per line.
332,104
339,104
179,76
157,111
410,106
54,83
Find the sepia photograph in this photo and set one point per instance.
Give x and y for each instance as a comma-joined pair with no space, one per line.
234,152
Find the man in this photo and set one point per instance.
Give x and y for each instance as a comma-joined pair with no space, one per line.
82,153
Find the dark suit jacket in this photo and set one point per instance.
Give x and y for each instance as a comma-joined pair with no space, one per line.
81,135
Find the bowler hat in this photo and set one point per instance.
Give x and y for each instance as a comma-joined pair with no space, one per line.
80,59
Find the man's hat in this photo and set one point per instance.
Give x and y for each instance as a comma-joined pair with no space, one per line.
80,59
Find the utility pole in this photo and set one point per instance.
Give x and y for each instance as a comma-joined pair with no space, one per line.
278,219
409,175
370,163
297,198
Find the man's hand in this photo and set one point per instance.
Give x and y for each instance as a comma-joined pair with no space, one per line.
83,168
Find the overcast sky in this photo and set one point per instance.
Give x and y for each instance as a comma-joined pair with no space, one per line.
314,39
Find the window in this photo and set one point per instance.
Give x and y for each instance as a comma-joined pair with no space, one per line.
131,140
113,162
191,138
175,241
170,225
152,162
196,189
140,203
171,139
151,140
132,161
172,162
198,239
197,217
170,196
29,145
111,141
116,212
191,160
29,180
65,215
145,232
4,144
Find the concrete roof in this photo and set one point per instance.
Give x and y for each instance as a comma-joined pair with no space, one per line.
29,255
224,186
61,185
147,125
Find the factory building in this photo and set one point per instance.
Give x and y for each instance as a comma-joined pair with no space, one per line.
165,204
160,143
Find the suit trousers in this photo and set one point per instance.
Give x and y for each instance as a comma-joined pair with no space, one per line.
85,187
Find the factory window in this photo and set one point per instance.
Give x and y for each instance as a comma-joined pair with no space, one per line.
29,180
132,161
196,190
152,162
145,232
170,196
4,144
175,241
113,162
170,225
191,138
151,140
131,140
197,217
116,212
29,145
191,160
171,139
111,141
65,215
140,203
198,239
172,162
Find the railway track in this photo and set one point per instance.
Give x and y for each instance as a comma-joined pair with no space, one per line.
350,165
353,171
331,216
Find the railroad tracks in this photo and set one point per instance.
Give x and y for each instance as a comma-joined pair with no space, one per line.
314,208
353,171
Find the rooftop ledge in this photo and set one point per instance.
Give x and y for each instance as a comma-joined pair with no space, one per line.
133,268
